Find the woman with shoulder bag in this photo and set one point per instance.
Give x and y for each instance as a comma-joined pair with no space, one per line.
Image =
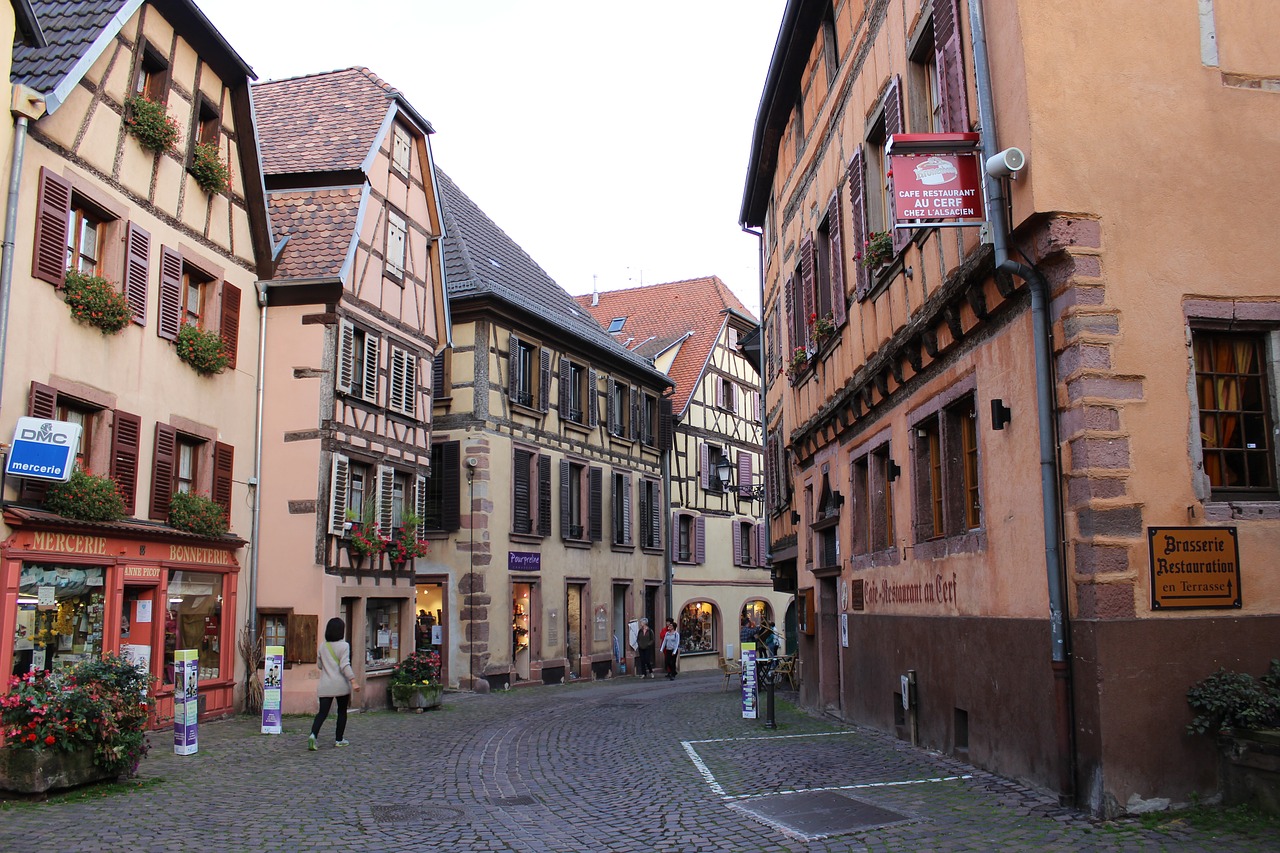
337,680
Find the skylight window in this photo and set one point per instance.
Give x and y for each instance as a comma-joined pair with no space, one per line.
615,325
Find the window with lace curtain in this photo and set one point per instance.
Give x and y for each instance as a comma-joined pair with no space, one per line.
1233,395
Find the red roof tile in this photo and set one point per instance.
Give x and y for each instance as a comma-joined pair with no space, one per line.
660,313
320,225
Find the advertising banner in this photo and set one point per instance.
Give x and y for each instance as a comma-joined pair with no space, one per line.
272,687
749,705
43,449
937,186
186,705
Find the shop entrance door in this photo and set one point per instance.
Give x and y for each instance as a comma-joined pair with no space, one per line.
573,628
621,647
140,641
522,599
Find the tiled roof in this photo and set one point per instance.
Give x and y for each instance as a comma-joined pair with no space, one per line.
320,122
70,28
321,227
658,315
481,260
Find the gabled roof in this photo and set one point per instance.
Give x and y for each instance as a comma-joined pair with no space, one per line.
327,122
76,33
322,229
483,262
660,315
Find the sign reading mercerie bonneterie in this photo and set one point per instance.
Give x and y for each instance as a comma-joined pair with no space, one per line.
1194,567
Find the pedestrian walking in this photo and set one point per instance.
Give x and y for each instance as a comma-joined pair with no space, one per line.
670,648
337,680
644,645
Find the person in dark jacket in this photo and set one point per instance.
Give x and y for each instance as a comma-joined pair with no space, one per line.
645,642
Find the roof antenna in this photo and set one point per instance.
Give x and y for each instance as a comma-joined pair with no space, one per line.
595,291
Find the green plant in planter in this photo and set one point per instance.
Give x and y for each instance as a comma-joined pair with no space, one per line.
406,545
418,671
85,497
150,123
877,250
204,351
96,301
207,168
1235,700
197,514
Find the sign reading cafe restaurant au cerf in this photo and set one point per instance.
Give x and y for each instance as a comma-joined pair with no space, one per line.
937,180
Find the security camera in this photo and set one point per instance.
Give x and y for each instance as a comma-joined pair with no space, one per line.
1007,163
472,462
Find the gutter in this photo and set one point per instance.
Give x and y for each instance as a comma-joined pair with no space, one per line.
1046,413
256,483
767,556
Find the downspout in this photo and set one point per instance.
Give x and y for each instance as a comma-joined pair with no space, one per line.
256,482
762,372
1045,412
672,533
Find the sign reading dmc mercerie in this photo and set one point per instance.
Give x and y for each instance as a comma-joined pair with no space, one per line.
1194,567
43,449
937,179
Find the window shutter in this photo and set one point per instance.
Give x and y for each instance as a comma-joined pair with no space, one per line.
451,493
768,346
633,398
610,405
591,399
410,398
346,356
565,521
223,476
675,537
438,391
700,540
420,500
745,474
301,638
892,125
544,495
807,272
126,436
836,282
704,465
398,395
595,506
369,383
736,535
521,512
666,423
564,388
544,381
719,380
386,498
794,339
230,321
338,485
770,474
655,515
42,402
53,208
644,513
858,221
170,294
762,543
162,472
949,56
137,258
513,365
626,509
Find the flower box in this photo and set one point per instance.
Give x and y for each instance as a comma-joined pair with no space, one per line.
427,696
1249,771
29,771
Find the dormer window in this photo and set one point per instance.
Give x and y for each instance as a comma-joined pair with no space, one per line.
615,325
400,149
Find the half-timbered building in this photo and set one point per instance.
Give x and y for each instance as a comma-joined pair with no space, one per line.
693,331
548,499
138,231
355,314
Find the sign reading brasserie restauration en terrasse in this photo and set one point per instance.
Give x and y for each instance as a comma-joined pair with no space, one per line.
1194,567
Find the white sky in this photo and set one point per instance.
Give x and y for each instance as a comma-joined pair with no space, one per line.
608,138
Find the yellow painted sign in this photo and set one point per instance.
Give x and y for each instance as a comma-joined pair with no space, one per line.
1194,567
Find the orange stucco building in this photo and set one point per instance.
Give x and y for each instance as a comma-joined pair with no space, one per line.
1029,465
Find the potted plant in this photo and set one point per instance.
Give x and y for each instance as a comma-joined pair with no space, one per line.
150,123
196,513
97,302
799,361
1243,713
405,544
415,682
78,725
877,250
204,351
824,326
207,168
363,539
85,497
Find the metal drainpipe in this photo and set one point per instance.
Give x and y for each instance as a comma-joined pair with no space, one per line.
669,573
762,372
256,525
10,228
1045,411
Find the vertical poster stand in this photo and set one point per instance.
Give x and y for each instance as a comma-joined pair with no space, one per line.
749,702
186,704
272,687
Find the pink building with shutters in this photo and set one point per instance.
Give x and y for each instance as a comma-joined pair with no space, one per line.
95,200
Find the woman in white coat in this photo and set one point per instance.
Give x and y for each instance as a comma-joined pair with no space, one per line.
337,680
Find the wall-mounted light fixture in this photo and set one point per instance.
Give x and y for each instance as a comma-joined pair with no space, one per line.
795,517
892,471
724,472
1000,414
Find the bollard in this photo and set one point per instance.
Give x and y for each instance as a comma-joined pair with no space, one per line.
772,676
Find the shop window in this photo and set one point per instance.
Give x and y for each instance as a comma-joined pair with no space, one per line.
395,249
650,514
382,634
947,497
357,362
697,627
873,475
59,617
193,620
400,148
1233,397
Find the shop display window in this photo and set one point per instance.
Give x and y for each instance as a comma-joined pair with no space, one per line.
193,620
697,628
59,616
382,634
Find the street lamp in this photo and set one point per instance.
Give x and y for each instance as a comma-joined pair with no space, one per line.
724,472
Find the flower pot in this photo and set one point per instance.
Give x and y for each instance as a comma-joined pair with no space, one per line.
29,771
1249,771
420,699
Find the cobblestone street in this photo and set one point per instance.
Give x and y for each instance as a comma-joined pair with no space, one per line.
618,765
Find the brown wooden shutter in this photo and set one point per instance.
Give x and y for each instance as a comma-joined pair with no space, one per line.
126,435
839,295
633,399
223,476
438,376
564,389
626,509
735,533
521,512
137,260
591,399
704,465
42,402
565,521
666,423
544,380
655,514
513,366
858,221
170,296
770,473
162,472
700,540
53,207
595,503
949,56
451,486
230,321
794,340
762,543
544,495
892,125
675,537
301,638
808,269
610,406
745,474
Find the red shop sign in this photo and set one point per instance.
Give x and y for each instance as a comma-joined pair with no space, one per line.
933,186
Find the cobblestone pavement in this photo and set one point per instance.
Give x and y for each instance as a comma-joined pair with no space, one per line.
618,765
